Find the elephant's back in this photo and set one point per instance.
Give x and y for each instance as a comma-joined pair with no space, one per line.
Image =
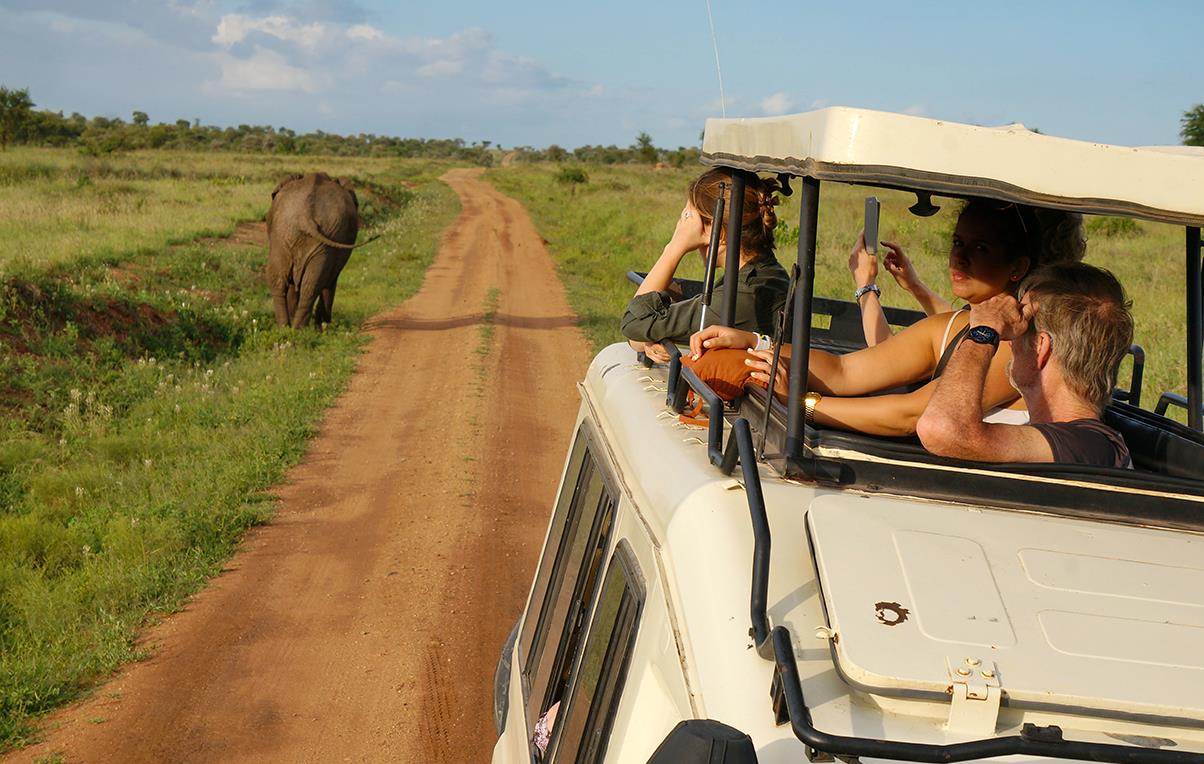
318,198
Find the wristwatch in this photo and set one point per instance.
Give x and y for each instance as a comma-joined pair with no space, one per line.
863,291
983,335
809,402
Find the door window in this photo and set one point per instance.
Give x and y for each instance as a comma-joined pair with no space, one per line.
585,720
567,583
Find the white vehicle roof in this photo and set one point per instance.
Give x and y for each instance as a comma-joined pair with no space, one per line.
1011,163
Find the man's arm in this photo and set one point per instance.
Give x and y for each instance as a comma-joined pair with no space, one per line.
952,423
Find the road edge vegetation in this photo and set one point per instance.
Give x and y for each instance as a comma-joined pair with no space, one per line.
149,404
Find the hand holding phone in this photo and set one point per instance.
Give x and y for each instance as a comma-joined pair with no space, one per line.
872,207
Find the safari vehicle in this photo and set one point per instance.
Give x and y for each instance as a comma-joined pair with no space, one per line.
913,608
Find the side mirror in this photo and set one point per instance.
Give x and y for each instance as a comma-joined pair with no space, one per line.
705,741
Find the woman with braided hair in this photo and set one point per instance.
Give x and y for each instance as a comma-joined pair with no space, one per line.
657,311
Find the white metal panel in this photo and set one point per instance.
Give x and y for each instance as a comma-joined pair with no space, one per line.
1071,613
1003,162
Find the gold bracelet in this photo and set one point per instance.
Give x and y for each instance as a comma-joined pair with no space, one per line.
810,400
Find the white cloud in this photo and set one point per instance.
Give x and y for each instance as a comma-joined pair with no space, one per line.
265,70
234,28
441,68
364,32
916,110
819,103
778,103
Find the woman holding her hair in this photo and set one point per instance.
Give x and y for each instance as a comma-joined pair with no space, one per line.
994,246
657,311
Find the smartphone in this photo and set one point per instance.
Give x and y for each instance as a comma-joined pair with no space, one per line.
872,207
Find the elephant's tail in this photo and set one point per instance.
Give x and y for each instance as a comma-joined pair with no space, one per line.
311,229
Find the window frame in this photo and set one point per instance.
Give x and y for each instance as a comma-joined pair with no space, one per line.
588,495
591,745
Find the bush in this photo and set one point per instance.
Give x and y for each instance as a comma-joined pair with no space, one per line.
572,175
1108,227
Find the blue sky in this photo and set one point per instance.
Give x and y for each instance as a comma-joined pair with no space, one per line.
534,73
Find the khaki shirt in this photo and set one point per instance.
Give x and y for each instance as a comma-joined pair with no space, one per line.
760,294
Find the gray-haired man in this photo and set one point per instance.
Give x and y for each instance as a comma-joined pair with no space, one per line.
1068,332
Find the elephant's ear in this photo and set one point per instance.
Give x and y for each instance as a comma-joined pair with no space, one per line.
285,182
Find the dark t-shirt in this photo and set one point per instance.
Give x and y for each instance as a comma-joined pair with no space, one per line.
1085,441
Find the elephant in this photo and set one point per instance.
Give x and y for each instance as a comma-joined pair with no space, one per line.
312,227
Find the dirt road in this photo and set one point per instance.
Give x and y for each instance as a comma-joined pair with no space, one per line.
364,622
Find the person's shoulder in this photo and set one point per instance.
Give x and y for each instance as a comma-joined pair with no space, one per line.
939,322
765,269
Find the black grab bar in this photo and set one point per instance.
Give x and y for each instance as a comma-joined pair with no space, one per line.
1032,740
759,597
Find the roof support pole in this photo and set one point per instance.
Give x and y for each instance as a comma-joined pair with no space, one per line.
735,226
801,327
1195,331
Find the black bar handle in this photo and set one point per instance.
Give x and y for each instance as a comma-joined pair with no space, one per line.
1032,741
674,375
708,284
714,411
1170,399
1133,394
762,541
1195,332
808,226
735,227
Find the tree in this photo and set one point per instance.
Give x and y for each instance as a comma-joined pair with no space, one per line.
15,108
1192,130
140,118
644,148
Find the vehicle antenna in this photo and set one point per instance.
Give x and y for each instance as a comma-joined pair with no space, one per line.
718,71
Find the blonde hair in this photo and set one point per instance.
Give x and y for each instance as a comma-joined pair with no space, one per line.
1087,315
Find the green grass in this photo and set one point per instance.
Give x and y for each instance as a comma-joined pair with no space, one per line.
149,401
622,217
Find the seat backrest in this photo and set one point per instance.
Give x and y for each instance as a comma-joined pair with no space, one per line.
1158,444
844,329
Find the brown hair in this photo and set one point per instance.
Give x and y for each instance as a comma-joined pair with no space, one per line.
760,197
1085,312
1044,236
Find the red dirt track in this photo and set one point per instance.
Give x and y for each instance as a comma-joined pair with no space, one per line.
364,622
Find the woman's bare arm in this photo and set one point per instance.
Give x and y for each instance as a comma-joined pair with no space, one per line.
896,415
689,235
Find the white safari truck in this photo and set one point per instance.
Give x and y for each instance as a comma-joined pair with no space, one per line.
911,608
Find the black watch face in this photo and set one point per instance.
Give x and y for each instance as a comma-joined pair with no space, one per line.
984,335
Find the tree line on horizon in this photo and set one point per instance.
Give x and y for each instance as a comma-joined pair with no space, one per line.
22,124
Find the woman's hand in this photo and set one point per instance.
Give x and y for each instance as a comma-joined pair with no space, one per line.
656,352
690,233
760,362
715,337
862,264
901,268
905,275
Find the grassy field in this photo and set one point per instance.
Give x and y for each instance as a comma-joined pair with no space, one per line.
621,218
135,356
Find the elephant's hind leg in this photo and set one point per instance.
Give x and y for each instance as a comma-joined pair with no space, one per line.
324,310
290,301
